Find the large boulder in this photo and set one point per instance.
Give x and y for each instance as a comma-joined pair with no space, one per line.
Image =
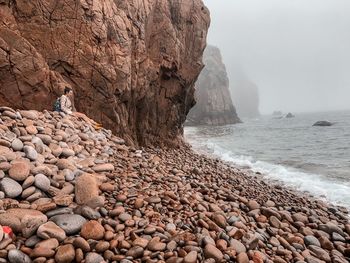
323,123
86,189
25,221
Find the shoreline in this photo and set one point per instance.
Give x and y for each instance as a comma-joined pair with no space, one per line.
260,177
86,196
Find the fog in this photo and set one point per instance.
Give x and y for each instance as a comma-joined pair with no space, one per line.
296,51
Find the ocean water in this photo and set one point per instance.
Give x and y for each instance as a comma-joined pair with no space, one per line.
290,151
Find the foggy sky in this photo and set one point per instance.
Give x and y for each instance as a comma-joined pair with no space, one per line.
296,51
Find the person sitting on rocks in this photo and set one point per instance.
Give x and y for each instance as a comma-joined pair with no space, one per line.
67,108
65,102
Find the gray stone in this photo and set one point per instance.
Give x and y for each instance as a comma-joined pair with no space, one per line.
71,224
311,240
17,256
90,213
32,241
42,182
59,211
30,152
93,258
124,217
17,145
10,187
337,237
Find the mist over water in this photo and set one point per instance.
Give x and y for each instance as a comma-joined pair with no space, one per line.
296,52
290,151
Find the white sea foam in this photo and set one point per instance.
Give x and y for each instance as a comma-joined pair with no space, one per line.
330,190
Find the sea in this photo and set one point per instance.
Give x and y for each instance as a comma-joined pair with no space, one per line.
288,151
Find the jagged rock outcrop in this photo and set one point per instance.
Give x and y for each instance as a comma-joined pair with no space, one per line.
132,64
214,104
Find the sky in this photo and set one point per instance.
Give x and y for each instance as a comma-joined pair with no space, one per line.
296,51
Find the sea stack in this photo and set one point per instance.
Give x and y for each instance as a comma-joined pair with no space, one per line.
213,99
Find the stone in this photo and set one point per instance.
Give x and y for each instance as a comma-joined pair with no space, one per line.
191,257
86,188
92,230
29,114
135,252
65,254
320,253
107,187
252,204
10,187
81,243
42,251
311,240
30,153
67,152
63,200
242,258
65,164
51,230
19,170
71,224
90,213
220,220
107,167
141,242
42,182
210,251
94,258
25,221
124,217
17,256
156,245
32,241
102,246
17,145
237,246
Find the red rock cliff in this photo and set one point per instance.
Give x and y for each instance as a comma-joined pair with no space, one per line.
132,64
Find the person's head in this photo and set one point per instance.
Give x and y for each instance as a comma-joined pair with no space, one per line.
67,91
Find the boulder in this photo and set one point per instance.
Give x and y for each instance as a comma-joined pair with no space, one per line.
71,224
25,221
323,123
86,189
19,170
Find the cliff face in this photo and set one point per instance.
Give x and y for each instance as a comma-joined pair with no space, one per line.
132,64
214,104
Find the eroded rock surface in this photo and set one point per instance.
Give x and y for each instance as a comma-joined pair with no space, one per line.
214,104
132,64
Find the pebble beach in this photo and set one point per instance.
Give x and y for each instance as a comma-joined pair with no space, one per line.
71,193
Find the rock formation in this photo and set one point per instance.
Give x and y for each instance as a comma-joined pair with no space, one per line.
214,104
132,64
245,94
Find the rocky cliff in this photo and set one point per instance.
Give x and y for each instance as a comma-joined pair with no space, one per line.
132,64
214,104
